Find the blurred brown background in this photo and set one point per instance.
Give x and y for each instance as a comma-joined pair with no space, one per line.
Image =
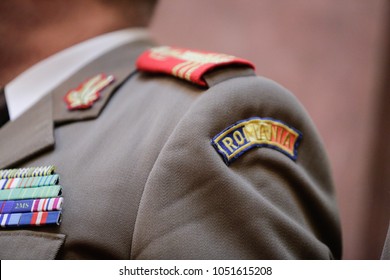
334,56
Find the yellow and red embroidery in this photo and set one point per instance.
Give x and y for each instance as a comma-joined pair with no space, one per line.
185,64
244,135
88,92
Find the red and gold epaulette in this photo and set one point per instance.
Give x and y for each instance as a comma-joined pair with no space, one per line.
186,64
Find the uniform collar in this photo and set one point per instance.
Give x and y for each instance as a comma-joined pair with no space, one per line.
30,86
33,132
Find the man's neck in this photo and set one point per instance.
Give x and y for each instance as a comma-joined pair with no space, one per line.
28,39
16,58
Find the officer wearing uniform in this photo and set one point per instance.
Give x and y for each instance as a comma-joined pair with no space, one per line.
166,153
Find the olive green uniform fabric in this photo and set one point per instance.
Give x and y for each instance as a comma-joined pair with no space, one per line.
141,179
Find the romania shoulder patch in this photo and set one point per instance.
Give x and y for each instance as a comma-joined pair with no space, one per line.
247,134
185,64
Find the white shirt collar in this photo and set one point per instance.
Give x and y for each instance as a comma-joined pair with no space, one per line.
30,86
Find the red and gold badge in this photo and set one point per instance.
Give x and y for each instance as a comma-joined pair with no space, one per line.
87,93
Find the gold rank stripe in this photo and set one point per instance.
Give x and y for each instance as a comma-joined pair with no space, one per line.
27,172
185,69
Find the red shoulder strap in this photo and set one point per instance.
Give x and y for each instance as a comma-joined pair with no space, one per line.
185,64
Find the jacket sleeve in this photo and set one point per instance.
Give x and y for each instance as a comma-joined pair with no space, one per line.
264,205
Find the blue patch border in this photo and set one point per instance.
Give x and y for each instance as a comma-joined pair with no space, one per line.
257,145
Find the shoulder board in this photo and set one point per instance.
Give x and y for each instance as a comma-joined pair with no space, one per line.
186,64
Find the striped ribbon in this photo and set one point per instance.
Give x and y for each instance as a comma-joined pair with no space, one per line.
30,197
31,205
29,182
30,219
27,172
30,193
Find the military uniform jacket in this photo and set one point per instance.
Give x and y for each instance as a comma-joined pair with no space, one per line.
141,179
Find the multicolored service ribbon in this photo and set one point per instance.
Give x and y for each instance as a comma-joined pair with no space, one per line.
30,197
29,193
30,219
27,172
29,182
31,205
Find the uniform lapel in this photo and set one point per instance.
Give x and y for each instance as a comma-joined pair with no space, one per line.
120,63
28,135
33,132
